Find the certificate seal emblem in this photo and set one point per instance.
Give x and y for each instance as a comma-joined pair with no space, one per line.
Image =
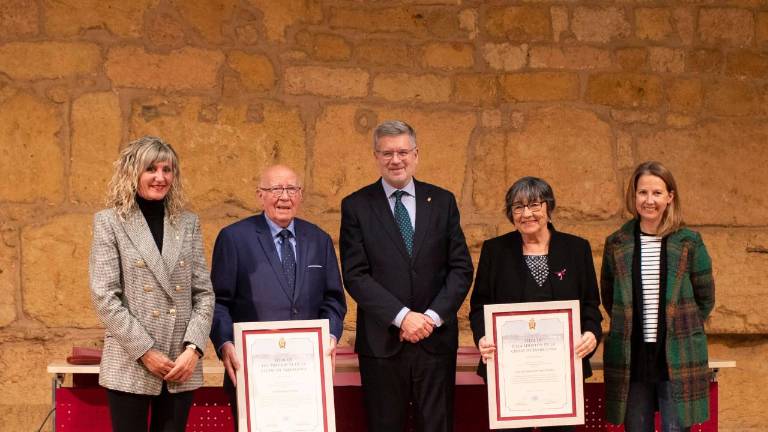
532,325
281,343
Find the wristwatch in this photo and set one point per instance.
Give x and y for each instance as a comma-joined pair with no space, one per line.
193,347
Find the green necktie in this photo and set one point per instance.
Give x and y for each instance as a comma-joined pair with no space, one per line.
403,221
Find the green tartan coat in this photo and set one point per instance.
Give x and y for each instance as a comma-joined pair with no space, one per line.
690,296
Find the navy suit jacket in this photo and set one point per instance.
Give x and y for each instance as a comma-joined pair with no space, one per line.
248,279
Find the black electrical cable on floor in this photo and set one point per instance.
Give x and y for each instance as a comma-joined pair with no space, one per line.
45,420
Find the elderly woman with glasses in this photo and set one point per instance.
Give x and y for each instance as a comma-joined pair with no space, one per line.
536,263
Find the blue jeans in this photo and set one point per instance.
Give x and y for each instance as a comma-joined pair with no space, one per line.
641,408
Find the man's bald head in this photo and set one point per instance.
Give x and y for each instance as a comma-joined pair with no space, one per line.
278,172
280,194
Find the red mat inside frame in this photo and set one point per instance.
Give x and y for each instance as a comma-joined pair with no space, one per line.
85,410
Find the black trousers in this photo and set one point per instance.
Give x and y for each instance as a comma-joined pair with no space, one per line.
231,392
413,375
131,412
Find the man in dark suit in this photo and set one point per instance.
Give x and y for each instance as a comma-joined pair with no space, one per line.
273,267
405,262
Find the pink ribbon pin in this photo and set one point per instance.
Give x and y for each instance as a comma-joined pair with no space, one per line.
560,274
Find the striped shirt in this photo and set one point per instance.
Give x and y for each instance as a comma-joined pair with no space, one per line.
650,271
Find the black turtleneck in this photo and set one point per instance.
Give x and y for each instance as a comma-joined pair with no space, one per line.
154,212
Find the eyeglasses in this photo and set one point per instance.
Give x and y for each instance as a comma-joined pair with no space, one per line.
277,191
389,154
534,207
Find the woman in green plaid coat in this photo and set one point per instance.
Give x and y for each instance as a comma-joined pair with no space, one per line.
657,288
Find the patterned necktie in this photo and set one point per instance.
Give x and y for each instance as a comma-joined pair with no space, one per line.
403,220
288,259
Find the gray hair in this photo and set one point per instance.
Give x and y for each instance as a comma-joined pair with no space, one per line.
528,190
393,128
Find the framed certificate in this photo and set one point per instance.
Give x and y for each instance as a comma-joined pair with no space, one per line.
285,381
535,378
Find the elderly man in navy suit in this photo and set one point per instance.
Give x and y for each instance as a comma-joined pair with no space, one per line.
273,267
407,266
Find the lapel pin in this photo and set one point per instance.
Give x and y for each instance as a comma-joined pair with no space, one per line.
429,199
560,274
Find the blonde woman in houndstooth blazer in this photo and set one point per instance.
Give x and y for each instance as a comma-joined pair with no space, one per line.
151,288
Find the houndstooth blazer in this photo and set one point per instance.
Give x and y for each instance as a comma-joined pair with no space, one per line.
148,300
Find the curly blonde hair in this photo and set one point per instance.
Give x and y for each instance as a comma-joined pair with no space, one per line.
134,160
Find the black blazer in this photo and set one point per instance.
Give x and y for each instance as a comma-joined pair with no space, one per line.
382,278
502,274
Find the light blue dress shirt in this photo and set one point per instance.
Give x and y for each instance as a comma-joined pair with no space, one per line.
275,230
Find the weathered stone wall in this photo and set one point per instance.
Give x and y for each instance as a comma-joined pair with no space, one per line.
577,92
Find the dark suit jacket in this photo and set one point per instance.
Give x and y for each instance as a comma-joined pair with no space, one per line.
502,273
382,278
250,286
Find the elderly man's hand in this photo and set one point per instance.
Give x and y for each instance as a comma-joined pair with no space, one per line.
332,351
229,358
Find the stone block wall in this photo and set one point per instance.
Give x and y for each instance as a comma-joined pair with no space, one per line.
577,92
